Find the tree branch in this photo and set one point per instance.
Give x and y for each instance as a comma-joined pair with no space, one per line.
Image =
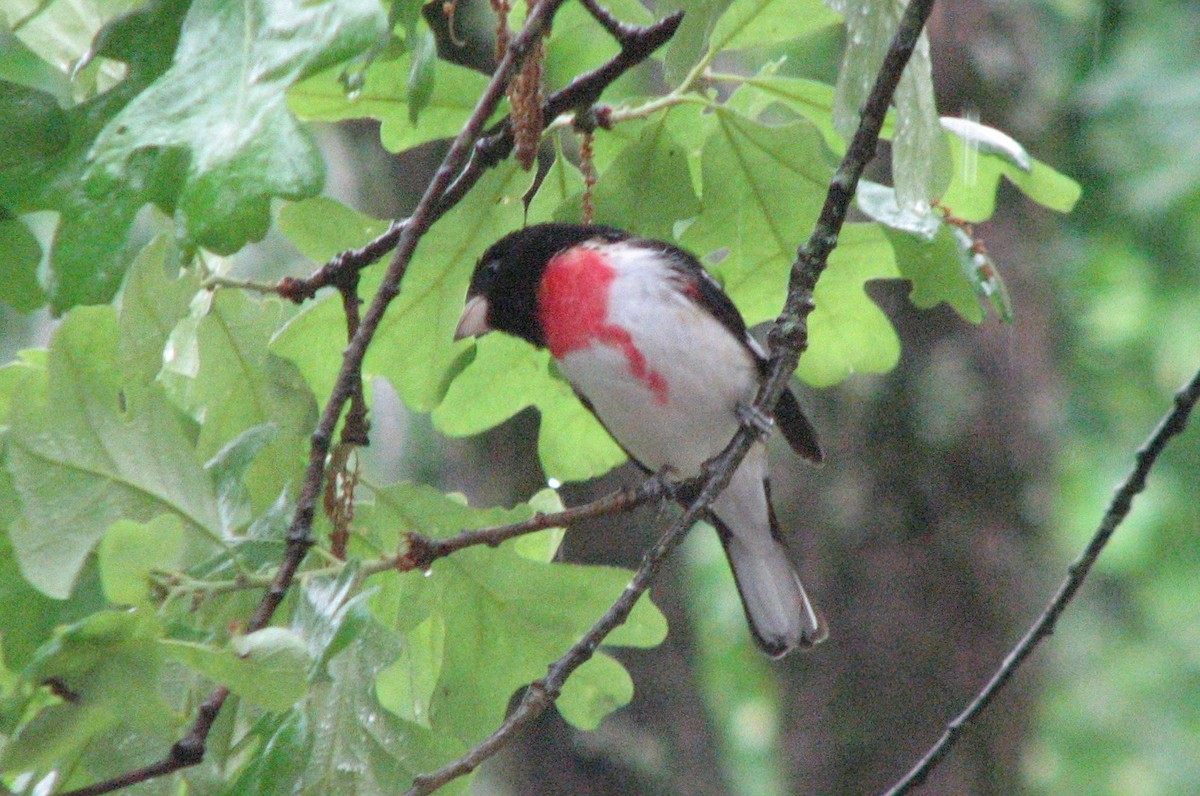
423,551
789,338
1118,509
637,44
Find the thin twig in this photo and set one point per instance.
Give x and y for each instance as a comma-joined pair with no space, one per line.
1118,509
214,282
619,30
789,341
190,750
423,550
637,44
355,429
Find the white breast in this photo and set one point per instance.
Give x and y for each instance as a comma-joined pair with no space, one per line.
668,392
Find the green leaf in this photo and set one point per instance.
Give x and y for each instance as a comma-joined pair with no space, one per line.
88,448
746,168
130,551
332,614
36,127
269,667
690,41
507,375
920,163
220,110
152,302
322,227
811,99
11,376
88,256
930,253
233,383
972,192
284,743
21,66
597,688
385,96
28,617
498,606
21,254
422,75
756,23
808,98
63,33
35,123
563,182
108,665
542,546
847,332
358,747
228,469
414,348
648,187
406,688
1047,187
935,269
578,44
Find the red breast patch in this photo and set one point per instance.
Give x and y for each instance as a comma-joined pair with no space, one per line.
573,309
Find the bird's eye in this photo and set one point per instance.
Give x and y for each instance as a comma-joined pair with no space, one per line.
492,267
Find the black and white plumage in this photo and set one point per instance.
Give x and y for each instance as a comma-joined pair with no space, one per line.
662,357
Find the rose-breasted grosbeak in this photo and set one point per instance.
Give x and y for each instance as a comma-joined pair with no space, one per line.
658,352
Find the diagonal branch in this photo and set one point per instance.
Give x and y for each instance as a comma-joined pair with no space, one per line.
637,44
1118,508
789,338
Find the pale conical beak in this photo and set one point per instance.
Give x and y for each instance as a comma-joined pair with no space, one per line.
474,319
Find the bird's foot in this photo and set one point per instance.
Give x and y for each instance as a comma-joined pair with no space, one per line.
755,419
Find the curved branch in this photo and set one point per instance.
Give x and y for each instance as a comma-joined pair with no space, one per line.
789,339
1118,509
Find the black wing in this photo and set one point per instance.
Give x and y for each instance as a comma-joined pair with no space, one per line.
796,429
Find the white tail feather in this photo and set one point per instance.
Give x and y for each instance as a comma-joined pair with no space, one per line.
777,607
780,614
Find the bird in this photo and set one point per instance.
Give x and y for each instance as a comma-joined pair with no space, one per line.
657,351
